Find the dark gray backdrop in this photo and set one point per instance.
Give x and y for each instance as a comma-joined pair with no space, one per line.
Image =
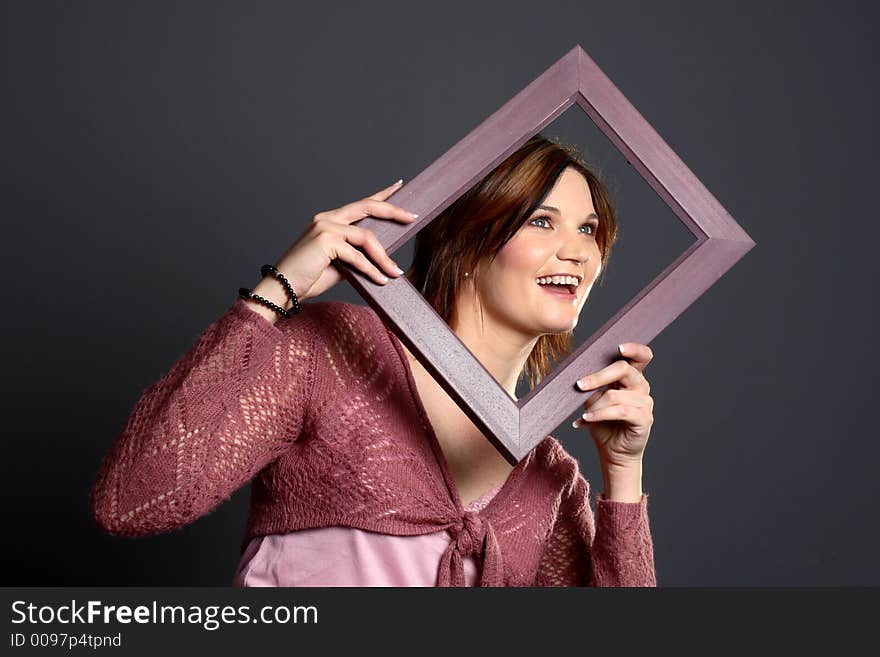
156,154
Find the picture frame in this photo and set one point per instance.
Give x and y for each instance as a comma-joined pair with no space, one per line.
516,426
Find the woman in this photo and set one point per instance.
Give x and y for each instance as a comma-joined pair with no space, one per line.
365,472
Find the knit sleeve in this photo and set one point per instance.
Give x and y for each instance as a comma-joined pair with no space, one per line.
612,548
232,404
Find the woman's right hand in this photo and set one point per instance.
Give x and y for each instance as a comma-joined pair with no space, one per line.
307,264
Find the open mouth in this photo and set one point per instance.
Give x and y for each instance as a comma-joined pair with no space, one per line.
564,291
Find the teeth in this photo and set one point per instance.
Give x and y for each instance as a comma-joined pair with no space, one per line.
559,280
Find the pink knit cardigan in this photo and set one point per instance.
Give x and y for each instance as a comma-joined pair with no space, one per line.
322,413
350,557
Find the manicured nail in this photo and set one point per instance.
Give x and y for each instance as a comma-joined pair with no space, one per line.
588,415
583,384
398,270
398,182
413,215
575,423
620,348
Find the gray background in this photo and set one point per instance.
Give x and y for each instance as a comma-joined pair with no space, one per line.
156,154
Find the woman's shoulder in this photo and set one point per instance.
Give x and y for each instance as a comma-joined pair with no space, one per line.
555,461
332,317
343,336
314,308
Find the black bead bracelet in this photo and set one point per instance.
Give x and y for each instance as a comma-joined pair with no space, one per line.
265,270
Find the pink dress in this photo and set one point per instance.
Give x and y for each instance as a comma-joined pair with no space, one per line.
347,556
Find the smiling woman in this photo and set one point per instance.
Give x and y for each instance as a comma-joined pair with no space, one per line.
365,473
541,212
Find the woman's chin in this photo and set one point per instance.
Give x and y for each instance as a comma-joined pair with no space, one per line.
562,325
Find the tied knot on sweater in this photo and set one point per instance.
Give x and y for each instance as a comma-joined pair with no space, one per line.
471,535
468,533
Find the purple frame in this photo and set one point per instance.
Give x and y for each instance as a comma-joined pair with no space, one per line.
515,427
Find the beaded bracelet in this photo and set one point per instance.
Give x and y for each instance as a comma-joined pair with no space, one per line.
265,271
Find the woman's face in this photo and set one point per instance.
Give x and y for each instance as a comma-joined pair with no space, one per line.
558,238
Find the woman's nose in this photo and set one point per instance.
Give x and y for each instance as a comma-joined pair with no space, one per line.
581,252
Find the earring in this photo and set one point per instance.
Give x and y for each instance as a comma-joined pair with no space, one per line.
466,274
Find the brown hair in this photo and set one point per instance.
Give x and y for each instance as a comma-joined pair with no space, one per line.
479,223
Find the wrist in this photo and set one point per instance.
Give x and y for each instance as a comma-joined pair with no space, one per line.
623,483
270,288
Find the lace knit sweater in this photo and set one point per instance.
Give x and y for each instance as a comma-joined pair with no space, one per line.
322,413
348,556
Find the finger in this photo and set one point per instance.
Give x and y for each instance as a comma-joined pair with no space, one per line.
385,210
367,207
612,396
351,255
367,239
638,354
620,412
615,397
382,194
619,370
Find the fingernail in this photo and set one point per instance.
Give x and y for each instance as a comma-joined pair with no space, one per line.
398,182
587,415
413,215
398,270
575,423
583,383
620,348
384,278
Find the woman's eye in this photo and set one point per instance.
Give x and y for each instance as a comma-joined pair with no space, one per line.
590,226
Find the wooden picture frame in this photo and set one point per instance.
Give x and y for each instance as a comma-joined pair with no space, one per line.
516,426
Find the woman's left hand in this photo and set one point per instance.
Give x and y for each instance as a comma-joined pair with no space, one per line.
624,412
